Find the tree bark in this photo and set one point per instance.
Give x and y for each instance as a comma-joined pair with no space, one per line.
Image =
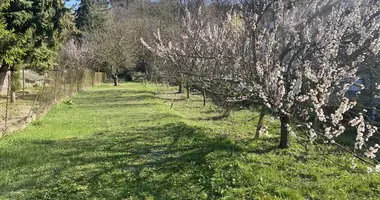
76,81
93,78
284,140
260,123
81,80
204,97
13,84
372,100
115,80
187,90
180,90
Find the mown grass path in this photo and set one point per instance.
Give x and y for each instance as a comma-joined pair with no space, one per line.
127,143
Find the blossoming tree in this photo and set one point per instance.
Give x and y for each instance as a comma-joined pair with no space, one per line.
293,58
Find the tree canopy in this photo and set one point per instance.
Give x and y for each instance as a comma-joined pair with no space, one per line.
36,31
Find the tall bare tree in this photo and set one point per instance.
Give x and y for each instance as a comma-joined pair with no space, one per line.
112,47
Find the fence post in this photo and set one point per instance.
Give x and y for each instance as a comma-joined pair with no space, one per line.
64,82
55,85
76,82
23,82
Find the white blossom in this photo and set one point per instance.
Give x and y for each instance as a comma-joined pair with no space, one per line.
294,68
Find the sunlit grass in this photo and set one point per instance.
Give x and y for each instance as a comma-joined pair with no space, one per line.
146,142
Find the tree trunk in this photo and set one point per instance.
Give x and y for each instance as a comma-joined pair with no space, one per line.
372,99
93,78
284,140
13,81
115,80
13,97
187,90
180,90
80,81
64,85
260,123
204,97
76,82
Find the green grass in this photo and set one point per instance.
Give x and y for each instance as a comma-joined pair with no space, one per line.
128,143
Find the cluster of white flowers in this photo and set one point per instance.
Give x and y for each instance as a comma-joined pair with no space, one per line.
296,66
290,130
264,130
345,105
313,135
353,163
371,153
364,131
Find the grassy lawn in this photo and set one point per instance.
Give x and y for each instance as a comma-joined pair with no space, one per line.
145,142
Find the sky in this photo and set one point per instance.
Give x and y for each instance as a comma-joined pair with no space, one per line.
70,3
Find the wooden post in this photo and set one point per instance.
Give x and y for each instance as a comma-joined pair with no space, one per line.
23,82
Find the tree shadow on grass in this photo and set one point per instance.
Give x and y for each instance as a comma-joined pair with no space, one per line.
114,98
214,118
118,91
173,99
163,162
142,92
125,105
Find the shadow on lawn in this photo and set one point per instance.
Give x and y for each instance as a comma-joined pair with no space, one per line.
163,162
167,161
114,98
166,99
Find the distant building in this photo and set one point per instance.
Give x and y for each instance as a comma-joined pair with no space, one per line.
31,79
4,89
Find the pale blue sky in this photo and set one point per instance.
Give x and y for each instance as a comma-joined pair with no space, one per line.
70,3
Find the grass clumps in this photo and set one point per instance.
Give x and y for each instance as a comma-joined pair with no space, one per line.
128,143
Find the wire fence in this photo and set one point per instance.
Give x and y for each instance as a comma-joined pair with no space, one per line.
38,93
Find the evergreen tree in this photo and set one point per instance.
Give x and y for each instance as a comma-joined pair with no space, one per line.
83,15
33,31
36,25
90,15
